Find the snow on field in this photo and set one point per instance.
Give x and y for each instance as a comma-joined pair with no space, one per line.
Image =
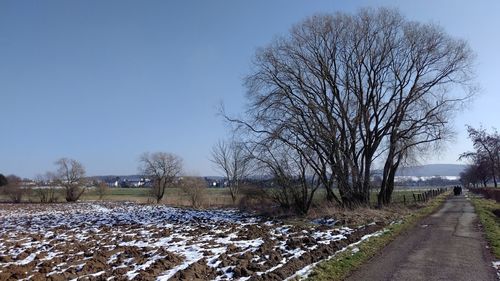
496,266
120,241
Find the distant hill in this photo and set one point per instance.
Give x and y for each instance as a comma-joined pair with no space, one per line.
443,170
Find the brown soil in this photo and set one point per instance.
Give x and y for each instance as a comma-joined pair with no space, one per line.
66,251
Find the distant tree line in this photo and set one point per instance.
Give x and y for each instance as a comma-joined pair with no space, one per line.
484,160
70,175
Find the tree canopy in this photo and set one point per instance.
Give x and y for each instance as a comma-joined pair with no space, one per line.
343,91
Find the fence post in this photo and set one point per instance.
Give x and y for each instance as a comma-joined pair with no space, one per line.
404,199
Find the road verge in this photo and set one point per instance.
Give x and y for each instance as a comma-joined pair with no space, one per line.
341,265
486,209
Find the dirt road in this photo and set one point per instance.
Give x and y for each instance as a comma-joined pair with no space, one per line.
447,245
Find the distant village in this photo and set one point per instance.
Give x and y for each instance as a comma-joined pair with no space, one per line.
140,181
137,181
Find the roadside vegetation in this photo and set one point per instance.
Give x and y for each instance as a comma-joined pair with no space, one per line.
488,211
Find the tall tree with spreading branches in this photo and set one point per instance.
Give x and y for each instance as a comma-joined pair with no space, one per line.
345,91
71,175
162,168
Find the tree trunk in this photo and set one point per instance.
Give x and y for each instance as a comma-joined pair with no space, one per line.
387,185
390,187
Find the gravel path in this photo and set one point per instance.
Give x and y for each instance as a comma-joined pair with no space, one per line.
447,245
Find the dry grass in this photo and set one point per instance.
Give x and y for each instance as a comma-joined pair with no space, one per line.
485,208
362,215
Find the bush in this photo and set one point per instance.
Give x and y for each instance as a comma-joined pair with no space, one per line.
73,192
15,193
195,189
46,194
488,193
102,189
254,198
13,190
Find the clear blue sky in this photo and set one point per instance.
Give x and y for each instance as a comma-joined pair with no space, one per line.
104,81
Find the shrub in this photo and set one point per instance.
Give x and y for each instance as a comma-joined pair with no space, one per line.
488,193
254,198
46,194
102,189
73,192
14,191
195,188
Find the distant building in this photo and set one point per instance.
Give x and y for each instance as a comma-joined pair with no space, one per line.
129,182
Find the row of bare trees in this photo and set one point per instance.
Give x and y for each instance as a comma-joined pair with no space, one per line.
484,160
341,93
164,169
70,175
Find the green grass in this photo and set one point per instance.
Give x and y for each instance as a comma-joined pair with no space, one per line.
173,196
398,195
339,267
491,223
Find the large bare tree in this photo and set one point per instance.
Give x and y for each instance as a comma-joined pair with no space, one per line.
162,168
347,90
71,175
233,159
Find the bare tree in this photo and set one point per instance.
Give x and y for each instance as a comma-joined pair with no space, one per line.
71,175
195,188
162,168
486,156
475,174
46,191
234,161
346,90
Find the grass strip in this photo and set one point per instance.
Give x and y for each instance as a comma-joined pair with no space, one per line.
491,223
339,267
